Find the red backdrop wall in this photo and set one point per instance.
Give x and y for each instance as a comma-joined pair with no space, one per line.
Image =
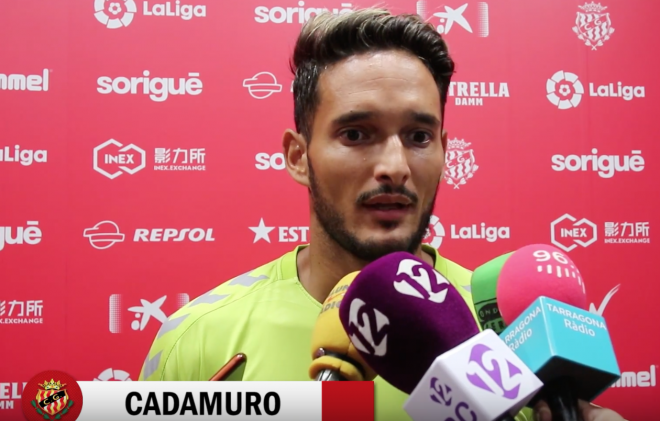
140,163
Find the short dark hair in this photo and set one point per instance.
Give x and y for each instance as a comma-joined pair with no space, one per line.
327,39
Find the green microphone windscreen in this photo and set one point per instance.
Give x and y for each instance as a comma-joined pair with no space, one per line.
484,293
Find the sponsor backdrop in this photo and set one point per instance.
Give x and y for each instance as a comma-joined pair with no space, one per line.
141,164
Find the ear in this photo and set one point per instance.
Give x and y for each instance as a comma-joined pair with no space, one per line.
295,156
443,139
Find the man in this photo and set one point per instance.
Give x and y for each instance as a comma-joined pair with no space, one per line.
369,96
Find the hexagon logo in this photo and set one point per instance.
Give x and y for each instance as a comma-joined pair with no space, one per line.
112,159
566,232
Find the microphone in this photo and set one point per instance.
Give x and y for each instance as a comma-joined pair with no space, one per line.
485,296
334,358
415,330
542,299
483,286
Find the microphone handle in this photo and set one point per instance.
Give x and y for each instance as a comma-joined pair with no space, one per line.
329,376
506,417
562,399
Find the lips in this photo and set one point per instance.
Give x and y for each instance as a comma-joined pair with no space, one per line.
387,206
397,201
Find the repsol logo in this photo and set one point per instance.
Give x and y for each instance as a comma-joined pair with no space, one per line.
172,234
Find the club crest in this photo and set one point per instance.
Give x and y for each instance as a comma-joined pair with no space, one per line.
460,165
52,399
592,25
57,399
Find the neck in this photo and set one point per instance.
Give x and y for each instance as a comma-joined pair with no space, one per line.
324,263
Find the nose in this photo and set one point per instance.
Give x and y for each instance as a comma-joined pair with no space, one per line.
392,165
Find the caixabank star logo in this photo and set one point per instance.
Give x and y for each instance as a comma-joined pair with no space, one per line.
52,395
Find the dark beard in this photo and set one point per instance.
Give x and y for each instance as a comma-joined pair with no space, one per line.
334,225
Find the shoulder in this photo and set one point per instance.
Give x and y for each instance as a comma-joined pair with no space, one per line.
207,321
459,276
456,274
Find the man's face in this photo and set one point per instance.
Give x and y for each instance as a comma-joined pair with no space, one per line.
376,154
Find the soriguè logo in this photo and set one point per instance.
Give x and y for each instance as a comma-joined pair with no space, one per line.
52,395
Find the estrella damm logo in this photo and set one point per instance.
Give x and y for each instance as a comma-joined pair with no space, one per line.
52,395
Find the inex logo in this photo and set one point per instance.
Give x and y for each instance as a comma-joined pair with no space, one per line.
489,371
566,232
298,14
114,13
120,13
368,328
605,165
564,90
417,282
112,159
158,88
457,15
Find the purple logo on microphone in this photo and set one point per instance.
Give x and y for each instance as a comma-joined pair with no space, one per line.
414,280
440,393
492,372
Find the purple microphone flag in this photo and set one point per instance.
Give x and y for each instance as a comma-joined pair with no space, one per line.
401,314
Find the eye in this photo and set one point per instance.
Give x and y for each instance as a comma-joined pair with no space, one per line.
421,137
353,135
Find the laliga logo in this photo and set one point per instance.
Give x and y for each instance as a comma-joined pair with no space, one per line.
117,14
564,90
490,372
417,282
109,375
361,321
434,233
